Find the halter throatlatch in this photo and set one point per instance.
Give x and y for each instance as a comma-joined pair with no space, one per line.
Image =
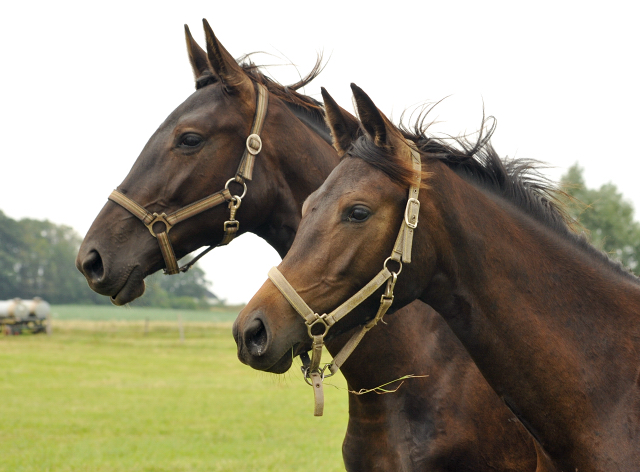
319,325
163,222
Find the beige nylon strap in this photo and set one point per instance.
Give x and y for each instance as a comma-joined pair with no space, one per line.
170,260
133,208
362,294
291,295
195,208
318,393
404,242
350,346
254,143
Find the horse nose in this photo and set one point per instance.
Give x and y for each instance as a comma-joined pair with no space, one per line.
255,337
92,266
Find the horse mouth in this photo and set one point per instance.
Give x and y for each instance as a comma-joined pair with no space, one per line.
285,362
133,288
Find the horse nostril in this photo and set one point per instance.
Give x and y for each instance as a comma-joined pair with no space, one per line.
92,266
256,338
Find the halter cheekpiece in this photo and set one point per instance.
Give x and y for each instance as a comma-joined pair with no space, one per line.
319,325
244,173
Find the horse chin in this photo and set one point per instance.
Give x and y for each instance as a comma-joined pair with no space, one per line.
283,365
133,288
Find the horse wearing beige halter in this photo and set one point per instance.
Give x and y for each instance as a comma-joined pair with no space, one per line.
401,253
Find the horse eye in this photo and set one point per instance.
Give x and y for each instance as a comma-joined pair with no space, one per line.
359,214
190,141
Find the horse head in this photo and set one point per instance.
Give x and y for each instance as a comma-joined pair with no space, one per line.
189,180
347,232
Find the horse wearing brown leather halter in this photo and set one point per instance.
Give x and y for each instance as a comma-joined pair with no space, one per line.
450,420
551,322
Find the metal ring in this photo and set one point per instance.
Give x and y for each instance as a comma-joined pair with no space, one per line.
318,320
233,179
384,264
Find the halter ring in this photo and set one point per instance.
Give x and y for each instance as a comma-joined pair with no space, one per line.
320,320
384,264
233,179
161,218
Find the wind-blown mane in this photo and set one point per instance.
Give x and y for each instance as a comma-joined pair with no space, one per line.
289,94
518,181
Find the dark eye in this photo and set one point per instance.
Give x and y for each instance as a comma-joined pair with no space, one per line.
359,213
190,141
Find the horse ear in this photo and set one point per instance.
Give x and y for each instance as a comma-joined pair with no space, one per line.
373,121
224,65
197,57
344,127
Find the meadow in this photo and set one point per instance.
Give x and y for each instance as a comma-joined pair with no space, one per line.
101,395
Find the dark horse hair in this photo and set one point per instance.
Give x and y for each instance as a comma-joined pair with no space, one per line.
288,93
519,181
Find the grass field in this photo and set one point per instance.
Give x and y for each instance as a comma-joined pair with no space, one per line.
100,395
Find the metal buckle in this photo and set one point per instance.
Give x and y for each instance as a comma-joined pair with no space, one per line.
414,216
254,144
319,320
235,224
162,218
391,284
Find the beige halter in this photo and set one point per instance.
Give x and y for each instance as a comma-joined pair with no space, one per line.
313,374
231,227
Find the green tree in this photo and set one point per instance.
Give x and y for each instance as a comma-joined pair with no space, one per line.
37,258
607,217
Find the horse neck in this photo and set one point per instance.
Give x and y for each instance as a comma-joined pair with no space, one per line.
296,168
553,329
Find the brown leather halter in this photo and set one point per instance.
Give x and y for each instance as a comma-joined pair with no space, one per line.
320,324
231,227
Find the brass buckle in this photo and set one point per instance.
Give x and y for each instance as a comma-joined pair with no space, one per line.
161,218
233,224
254,144
413,224
319,320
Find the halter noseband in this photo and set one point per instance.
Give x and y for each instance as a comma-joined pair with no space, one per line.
231,227
401,252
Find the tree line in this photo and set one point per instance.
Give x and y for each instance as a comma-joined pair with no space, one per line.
37,258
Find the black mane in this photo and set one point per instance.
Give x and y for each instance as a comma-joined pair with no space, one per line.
307,108
518,181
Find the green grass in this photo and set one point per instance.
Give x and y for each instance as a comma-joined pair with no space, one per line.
126,313
103,396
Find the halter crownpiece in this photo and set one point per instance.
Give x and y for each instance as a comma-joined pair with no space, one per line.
401,252
231,226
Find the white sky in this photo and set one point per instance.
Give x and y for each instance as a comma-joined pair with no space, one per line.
85,84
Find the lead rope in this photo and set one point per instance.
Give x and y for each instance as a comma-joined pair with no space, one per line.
312,372
253,146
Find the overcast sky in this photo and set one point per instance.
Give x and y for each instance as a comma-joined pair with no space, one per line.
85,84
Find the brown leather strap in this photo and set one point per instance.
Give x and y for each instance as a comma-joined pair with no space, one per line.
254,143
167,253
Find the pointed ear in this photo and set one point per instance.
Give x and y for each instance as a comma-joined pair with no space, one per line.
344,126
197,58
224,65
373,121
